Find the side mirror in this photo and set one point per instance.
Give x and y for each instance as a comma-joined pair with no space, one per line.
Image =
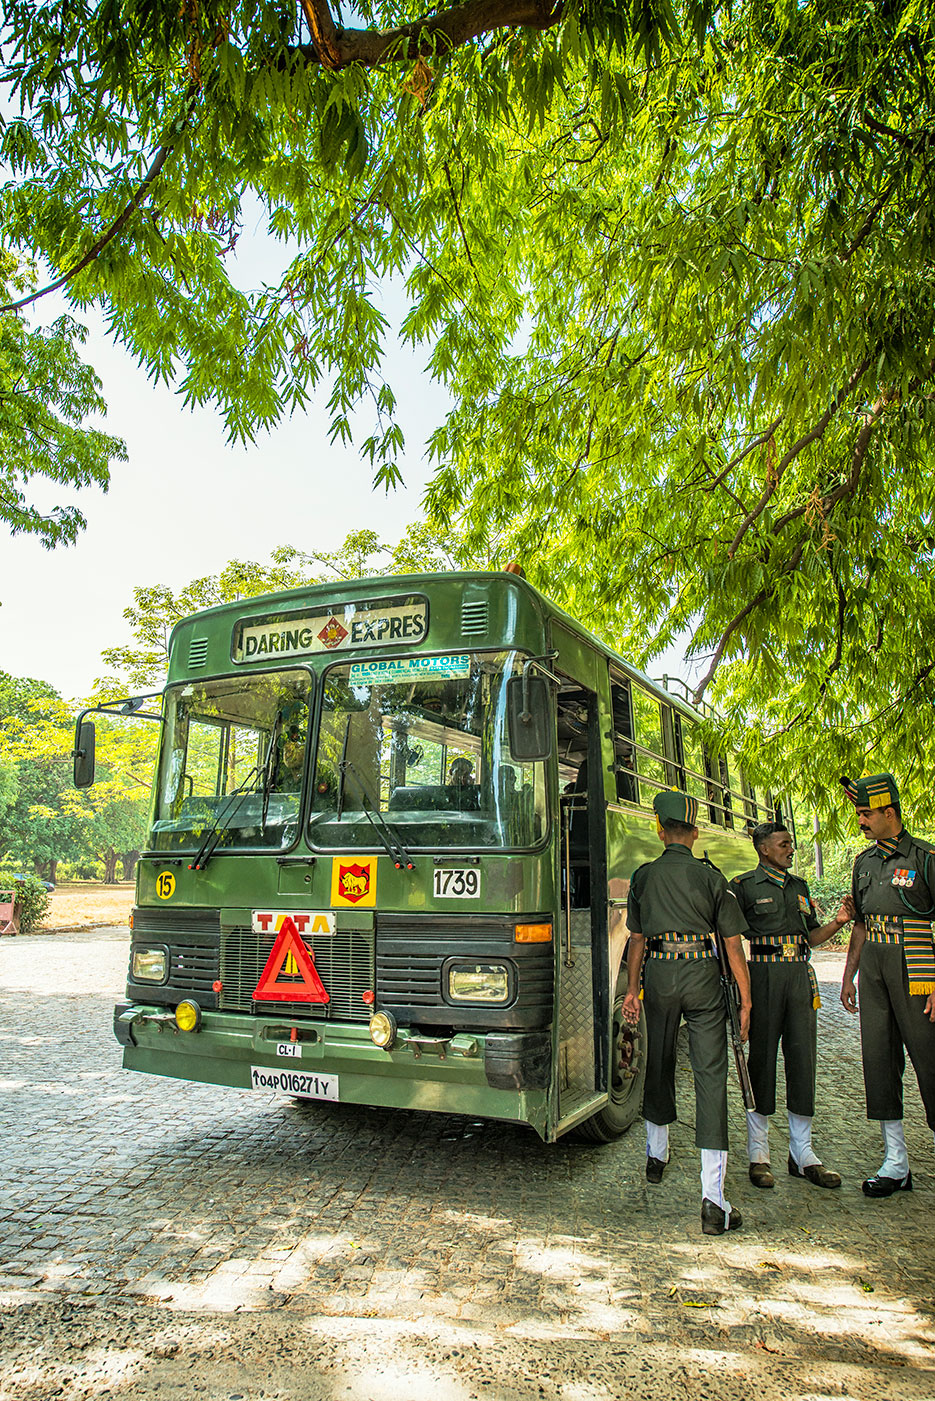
529,717
84,753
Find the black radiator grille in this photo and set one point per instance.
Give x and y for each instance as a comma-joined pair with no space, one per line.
412,951
192,967
344,962
165,924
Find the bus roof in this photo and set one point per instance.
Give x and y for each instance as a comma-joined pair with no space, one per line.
400,583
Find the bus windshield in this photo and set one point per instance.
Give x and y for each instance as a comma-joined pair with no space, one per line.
232,762
423,741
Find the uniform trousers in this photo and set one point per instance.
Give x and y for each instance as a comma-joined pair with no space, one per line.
889,1020
783,1014
689,988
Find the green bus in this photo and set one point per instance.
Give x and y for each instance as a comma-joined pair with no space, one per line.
392,830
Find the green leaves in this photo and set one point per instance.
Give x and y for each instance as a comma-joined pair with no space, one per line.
46,395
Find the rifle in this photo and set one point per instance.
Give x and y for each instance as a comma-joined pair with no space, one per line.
732,1008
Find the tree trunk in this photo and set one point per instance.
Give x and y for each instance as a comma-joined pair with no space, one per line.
53,867
110,866
128,861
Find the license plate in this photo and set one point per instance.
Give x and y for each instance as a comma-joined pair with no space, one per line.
458,883
294,1082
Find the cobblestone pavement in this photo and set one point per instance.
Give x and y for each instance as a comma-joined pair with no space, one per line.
157,1236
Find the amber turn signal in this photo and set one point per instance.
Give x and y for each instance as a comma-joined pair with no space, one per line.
533,934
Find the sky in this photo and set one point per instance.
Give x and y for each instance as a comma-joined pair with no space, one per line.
186,502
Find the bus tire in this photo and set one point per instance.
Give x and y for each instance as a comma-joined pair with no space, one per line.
627,1077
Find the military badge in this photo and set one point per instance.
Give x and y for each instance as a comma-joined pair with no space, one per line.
903,877
805,904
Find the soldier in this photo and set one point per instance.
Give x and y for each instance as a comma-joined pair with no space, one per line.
893,891
782,928
674,904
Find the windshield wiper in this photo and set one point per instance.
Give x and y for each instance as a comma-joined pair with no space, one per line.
342,764
388,839
222,822
270,769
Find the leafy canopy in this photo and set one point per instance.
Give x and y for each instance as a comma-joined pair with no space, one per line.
47,394
674,264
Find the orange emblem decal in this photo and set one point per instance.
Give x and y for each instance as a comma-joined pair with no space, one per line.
333,633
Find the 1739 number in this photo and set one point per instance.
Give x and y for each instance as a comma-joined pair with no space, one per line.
458,882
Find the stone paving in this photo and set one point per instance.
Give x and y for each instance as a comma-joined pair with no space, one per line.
152,1231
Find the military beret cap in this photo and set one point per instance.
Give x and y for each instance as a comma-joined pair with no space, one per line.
674,806
876,790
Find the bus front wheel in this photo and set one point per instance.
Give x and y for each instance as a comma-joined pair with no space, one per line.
627,1077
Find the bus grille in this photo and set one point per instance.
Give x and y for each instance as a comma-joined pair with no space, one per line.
344,962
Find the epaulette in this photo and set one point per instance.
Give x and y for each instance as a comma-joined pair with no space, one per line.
744,875
923,845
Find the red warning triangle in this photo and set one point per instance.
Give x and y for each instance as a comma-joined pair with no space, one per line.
310,989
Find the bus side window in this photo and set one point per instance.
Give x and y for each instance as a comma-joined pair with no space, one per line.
650,760
749,802
726,781
713,790
672,735
622,727
693,762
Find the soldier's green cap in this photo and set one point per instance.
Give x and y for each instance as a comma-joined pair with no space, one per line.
875,790
674,806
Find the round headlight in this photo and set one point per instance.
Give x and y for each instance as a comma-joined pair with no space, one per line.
383,1030
188,1016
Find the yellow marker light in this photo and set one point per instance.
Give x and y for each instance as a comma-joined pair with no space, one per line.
383,1030
533,934
188,1016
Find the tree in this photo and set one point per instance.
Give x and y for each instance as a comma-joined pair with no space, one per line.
46,396
673,263
49,820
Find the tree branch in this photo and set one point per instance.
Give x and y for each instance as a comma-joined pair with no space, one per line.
810,437
152,174
422,38
764,593
325,35
763,437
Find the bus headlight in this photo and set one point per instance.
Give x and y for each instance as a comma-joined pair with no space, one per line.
479,982
149,965
188,1016
383,1030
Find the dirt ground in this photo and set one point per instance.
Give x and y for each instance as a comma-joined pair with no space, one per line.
87,905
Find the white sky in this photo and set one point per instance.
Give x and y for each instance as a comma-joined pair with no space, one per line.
186,502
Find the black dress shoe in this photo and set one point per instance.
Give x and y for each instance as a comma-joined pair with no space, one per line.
713,1222
815,1172
655,1167
761,1176
885,1186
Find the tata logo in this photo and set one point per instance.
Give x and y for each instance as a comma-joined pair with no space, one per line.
307,923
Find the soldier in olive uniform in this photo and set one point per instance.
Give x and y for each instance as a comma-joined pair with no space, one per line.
893,890
783,928
674,904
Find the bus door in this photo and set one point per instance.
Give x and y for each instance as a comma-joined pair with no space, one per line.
583,1017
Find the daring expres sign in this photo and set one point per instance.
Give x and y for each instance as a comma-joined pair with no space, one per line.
387,622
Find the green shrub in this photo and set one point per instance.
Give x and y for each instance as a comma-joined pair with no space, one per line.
32,896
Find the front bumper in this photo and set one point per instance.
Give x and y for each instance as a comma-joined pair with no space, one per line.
494,1075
